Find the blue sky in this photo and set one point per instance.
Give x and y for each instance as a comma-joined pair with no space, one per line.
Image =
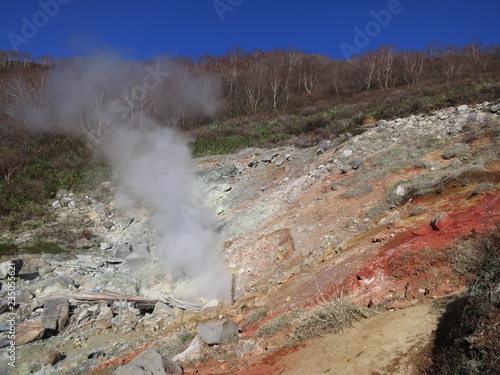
148,28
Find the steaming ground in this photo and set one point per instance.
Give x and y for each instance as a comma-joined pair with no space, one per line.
112,103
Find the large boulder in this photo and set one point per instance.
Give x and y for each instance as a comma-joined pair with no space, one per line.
55,313
29,331
150,362
219,332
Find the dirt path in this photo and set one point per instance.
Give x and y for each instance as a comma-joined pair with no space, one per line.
388,343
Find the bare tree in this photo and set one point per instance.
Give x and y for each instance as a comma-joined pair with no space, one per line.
413,66
281,65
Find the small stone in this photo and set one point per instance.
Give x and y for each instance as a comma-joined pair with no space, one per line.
108,224
65,201
462,108
356,163
52,357
347,153
253,163
495,108
441,221
279,161
83,243
334,186
400,190
344,168
194,351
97,354
228,170
105,314
56,204
104,246
61,193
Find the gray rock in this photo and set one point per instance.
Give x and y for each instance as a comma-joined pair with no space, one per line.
221,331
125,223
61,193
249,151
462,108
10,268
253,163
101,210
27,308
335,186
193,352
210,307
122,250
105,246
56,204
150,362
228,170
280,161
268,157
55,313
108,224
65,201
4,305
162,309
400,190
344,168
356,163
347,153
83,243
137,259
140,248
495,108
473,117
105,314
323,146
44,287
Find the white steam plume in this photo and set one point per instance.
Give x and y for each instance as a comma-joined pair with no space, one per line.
128,110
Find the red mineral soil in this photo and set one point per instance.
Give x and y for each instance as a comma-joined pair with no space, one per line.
402,263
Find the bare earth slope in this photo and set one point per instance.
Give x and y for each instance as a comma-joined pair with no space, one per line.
298,227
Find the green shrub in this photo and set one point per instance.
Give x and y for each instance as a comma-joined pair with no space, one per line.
44,247
358,191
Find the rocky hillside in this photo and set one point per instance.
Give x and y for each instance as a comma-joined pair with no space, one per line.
375,218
